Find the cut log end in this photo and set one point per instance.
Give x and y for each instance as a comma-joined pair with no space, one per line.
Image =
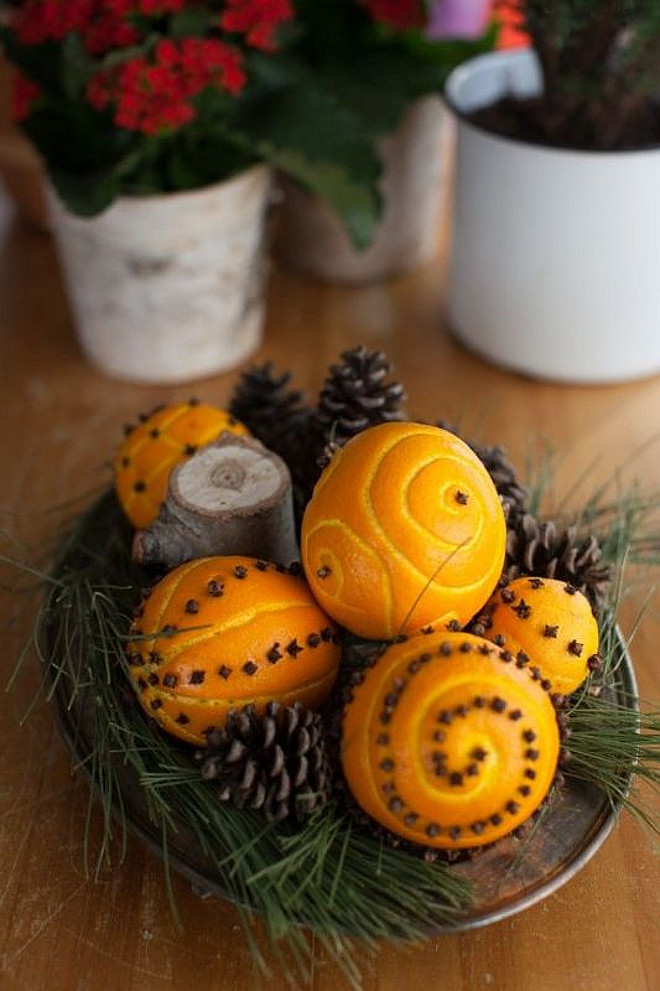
232,497
223,480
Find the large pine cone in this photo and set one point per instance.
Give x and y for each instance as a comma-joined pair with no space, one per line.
545,550
275,763
356,396
266,405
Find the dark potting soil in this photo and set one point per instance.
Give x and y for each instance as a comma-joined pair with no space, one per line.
581,127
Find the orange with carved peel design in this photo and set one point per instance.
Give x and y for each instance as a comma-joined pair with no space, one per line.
552,623
159,442
220,633
447,743
404,528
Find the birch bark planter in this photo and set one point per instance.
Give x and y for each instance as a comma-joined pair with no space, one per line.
169,288
554,268
311,239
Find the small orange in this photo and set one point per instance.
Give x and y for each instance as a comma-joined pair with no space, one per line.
159,442
550,621
447,743
404,528
220,633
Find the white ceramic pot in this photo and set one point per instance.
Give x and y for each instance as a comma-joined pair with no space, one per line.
556,253
169,288
311,239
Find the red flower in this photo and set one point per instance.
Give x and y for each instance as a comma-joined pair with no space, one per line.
24,93
258,20
45,20
156,94
402,15
103,24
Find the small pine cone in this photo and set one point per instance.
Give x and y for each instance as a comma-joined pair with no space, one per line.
512,493
546,551
265,404
356,396
275,763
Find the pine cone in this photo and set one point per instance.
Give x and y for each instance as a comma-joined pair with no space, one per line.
265,404
547,551
275,763
355,396
513,495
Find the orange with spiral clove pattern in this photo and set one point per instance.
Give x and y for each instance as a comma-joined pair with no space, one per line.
447,743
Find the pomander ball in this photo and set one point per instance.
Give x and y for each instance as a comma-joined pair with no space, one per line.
159,442
447,743
404,528
222,633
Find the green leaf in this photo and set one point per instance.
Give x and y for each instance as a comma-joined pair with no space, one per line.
357,203
86,195
191,21
76,67
308,134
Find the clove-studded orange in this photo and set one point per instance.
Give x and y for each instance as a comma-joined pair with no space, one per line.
153,447
404,528
221,633
552,623
447,743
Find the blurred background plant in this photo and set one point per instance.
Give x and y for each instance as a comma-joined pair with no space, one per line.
152,96
600,61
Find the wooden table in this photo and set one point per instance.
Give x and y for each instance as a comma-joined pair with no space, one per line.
59,422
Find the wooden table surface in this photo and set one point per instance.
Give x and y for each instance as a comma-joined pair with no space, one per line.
59,422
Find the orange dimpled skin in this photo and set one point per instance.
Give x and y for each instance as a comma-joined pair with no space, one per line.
220,633
447,743
404,528
552,623
159,442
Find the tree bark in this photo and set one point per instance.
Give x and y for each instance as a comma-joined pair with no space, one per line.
232,497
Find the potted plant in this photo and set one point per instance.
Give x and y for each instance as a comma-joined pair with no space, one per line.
555,254
158,122
383,64
20,169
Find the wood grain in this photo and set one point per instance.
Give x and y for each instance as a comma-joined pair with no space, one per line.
63,931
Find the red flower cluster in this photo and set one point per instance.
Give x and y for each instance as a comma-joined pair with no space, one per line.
44,20
258,20
155,94
402,15
24,93
103,24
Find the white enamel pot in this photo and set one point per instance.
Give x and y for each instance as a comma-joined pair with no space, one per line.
169,288
555,267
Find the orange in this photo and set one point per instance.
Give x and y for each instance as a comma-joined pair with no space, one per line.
447,743
220,633
150,451
404,528
552,623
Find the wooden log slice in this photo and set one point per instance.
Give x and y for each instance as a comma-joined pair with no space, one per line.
232,497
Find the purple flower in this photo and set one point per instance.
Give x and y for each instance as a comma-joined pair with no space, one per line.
458,18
